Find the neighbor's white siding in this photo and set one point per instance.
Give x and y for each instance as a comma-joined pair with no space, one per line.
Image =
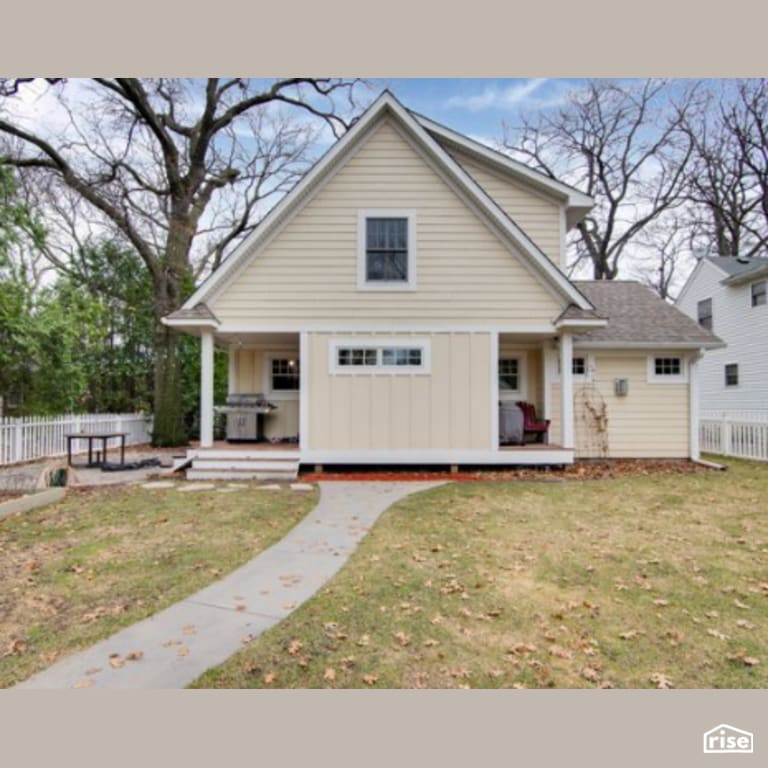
537,214
744,329
448,408
309,270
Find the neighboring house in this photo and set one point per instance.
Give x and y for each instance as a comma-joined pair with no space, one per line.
411,281
729,296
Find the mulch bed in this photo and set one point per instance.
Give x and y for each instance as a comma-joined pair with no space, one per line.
586,470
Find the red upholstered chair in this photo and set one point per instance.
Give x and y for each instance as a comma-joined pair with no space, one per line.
531,424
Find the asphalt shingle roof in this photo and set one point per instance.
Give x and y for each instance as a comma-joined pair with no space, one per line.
636,315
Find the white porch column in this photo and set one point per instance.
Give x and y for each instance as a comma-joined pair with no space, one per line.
566,390
693,405
232,370
206,389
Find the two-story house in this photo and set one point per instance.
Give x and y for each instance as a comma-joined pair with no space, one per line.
729,296
411,283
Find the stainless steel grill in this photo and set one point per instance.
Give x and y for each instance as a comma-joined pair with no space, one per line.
245,416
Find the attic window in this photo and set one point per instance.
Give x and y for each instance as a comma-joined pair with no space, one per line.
758,293
704,310
667,370
386,250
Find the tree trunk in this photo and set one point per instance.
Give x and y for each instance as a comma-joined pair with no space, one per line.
169,428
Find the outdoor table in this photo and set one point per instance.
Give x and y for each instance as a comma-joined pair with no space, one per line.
104,437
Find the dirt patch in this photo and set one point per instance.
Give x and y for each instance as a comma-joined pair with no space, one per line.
580,471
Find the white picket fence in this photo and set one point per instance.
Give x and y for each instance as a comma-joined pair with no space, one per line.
743,435
36,437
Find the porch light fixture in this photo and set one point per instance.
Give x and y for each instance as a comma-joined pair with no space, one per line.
621,387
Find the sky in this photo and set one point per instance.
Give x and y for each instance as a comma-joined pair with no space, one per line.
477,107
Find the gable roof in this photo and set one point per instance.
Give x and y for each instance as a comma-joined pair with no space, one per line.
638,317
733,265
577,203
386,104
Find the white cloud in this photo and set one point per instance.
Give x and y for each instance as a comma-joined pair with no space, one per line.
494,97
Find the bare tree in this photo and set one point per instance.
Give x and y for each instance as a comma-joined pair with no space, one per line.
179,169
727,182
623,145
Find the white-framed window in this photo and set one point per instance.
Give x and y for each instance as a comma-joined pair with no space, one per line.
582,368
512,374
375,356
386,242
704,313
667,369
731,374
281,376
758,293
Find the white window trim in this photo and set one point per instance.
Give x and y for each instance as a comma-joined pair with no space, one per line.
386,285
266,376
522,375
727,386
682,378
378,343
581,377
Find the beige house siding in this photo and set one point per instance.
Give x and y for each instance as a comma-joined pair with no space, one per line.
651,421
448,408
536,214
309,269
250,372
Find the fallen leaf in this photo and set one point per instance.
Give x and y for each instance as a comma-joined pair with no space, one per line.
289,605
190,629
16,647
294,647
134,656
250,667
661,602
430,643
183,650
744,624
116,661
364,640
590,674
171,643
628,635
247,639
402,638
83,683
718,634
329,674
370,679
661,681
270,678
93,671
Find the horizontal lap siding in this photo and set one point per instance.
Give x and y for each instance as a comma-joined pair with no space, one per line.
538,216
651,421
448,408
309,270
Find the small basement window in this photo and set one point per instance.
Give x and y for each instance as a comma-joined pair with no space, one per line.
704,311
732,375
758,291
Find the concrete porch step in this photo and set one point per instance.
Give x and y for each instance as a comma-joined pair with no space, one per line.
245,464
242,474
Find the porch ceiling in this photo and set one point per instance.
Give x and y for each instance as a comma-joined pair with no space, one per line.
257,339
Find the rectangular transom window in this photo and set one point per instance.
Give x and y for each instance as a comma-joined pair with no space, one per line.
386,250
285,375
758,291
732,375
667,369
387,356
704,311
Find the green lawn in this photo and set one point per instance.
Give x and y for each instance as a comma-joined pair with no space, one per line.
632,582
75,572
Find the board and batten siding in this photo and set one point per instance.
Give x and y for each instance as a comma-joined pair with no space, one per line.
744,329
308,271
651,421
250,377
447,408
537,214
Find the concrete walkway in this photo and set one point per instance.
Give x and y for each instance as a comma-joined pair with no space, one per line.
173,647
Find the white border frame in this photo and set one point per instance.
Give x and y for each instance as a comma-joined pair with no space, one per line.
521,393
385,285
681,378
379,342
266,375
730,387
